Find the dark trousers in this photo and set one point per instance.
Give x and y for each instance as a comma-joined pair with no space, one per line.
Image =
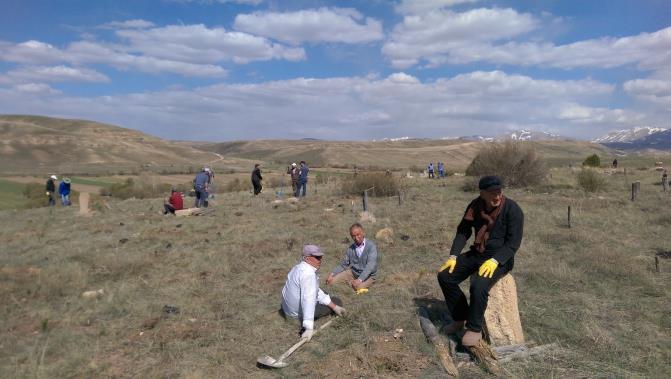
431,175
168,209
302,189
459,308
257,187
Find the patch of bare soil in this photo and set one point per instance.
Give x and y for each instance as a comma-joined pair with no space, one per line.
383,357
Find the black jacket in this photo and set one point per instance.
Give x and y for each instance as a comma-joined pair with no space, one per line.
256,175
504,239
51,187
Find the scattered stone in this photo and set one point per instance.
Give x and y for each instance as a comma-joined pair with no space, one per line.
366,217
169,245
170,310
121,224
178,226
405,237
207,240
398,333
93,294
238,213
293,200
277,202
385,234
123,240
328,209
340,205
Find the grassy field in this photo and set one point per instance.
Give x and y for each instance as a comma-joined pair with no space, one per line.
591,289
11,195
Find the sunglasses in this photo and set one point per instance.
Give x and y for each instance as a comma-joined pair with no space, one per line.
317,258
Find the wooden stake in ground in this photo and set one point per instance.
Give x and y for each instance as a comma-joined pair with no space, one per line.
635,187
665,183
569,217
84,204
442,347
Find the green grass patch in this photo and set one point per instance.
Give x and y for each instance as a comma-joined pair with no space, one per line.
11,195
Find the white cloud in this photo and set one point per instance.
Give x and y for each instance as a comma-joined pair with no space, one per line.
436,35
349,108
199,44
55,74
314,25
247,2
423,6
656,92
129,24
36,89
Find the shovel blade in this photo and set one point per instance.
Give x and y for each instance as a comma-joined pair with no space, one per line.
268,361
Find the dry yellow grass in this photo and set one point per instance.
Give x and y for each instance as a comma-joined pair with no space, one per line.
591,289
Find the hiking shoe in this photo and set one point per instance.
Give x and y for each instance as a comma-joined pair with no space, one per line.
471,338
452,328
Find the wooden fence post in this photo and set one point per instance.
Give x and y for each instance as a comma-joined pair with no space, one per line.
365,201
569,217
665,184
400,198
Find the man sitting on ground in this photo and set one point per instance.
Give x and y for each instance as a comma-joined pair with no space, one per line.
359,268
301,296
498,223
173,203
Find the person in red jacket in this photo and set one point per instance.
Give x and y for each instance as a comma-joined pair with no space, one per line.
173,203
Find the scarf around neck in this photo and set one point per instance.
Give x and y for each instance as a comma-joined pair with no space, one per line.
478,211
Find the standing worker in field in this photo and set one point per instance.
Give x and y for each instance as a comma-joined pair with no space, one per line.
51,188
64,191
498,223
441,170
201,184
430,170
256,179
303,180
295,175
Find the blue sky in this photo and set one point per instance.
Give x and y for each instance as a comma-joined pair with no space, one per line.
219,70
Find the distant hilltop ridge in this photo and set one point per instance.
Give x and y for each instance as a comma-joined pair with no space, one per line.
517,135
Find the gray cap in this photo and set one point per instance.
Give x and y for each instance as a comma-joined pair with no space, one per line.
312,250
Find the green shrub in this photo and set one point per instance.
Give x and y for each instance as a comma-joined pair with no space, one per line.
591,181
517,164
592,161
143,188
382,184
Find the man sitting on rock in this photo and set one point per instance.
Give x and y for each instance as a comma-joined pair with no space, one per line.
301,296
359,268
498,223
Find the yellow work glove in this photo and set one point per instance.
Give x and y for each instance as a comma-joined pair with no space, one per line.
450,263
361,291
487,269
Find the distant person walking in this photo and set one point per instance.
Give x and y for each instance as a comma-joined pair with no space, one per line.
441,170
665,181
615,163
64,191
256,179
430,170
51,188
303,180
174,203
295,175
201,184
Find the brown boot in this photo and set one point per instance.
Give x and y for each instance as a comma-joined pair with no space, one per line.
471,338
454,327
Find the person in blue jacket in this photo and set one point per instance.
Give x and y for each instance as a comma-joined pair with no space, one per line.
303,180
64,191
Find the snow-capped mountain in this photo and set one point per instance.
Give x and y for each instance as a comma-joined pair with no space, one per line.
628,135
529,135
477,138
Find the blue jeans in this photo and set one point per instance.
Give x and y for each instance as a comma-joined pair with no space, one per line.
201,199
302,189
65,199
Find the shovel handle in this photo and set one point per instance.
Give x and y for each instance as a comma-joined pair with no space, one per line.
300,343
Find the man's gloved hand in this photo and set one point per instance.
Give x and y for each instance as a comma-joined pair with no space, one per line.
487,269
308,334
48,193
340,311
450,263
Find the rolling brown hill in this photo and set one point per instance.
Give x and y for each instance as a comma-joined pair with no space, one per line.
35,144
457,154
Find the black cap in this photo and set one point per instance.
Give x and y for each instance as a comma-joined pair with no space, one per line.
490,183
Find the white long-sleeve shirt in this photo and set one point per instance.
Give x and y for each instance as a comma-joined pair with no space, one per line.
301,293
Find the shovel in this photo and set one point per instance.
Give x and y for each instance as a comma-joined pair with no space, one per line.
270,362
